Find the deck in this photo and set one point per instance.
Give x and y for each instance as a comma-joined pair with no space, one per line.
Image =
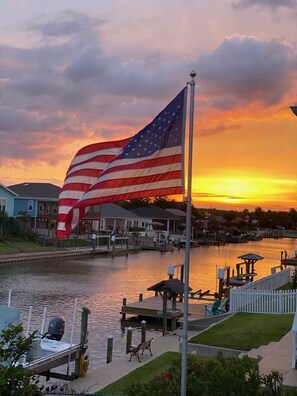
289,261
42,361
153,307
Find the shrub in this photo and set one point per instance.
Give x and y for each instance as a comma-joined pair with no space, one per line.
16,380
219,376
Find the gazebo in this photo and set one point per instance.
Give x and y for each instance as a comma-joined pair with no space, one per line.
249,261
169,289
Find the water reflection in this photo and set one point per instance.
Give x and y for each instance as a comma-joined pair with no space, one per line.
101,283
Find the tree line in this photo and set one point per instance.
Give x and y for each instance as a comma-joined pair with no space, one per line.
263,219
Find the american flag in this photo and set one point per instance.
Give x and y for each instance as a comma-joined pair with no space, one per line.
148,165
86,166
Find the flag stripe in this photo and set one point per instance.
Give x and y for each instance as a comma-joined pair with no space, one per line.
135,172
139,163
77,186
139,191
99,149
90,168
133,181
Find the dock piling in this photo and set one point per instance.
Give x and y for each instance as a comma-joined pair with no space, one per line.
129,339
109,349
124,303
80,370
143,331
113,245
127,247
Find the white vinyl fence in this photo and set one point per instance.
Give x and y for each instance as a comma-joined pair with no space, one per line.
262,297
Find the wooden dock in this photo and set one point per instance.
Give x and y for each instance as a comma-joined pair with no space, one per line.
289,261
153,307
43,364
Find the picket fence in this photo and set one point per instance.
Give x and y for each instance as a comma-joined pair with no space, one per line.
261,296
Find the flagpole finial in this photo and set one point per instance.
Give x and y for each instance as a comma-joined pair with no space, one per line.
193,74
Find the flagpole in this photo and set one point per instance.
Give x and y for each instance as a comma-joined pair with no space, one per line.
188,200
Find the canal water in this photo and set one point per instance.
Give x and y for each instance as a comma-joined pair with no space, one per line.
100,284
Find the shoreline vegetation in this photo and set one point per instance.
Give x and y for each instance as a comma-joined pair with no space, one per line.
24,246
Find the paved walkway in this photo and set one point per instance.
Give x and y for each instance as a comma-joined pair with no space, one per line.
105,375
275,356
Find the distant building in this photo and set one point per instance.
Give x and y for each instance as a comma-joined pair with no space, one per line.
114,218
153,217
6,200
40,202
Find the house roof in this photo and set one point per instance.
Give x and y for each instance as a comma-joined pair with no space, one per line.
237,220
176,212
170,285
112,210
36,190
154,212
251,256
7,189
220,219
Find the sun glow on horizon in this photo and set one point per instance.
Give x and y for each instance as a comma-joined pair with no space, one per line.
244,192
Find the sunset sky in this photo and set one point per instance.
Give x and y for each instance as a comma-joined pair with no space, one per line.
76,72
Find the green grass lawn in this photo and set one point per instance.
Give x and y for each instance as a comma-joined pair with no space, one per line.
142,374
19,246
246,331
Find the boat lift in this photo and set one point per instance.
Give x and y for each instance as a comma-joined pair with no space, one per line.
48,351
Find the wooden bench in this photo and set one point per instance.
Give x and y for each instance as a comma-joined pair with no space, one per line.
134,351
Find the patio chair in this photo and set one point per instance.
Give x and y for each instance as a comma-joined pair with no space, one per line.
216,308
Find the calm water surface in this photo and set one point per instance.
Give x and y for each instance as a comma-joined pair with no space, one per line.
101,283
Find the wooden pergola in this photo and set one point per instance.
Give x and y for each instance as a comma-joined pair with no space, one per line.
169,289
249,260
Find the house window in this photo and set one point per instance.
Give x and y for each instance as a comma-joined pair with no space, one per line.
129,223
3,204
30,205
135,223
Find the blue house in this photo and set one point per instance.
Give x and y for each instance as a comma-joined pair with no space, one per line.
6,200
40,202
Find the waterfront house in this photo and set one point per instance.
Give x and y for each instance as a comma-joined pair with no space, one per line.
6,200
179,220
152,217
114,218
40,202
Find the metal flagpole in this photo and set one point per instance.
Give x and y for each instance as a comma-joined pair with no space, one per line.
188,200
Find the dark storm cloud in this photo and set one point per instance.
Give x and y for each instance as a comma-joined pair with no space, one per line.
244,70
